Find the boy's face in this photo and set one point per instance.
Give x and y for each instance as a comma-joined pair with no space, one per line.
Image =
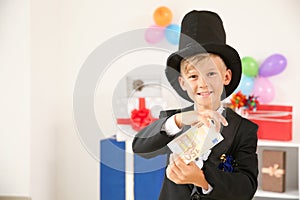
204,80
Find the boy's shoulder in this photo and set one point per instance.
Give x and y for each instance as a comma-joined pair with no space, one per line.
232,115
168,113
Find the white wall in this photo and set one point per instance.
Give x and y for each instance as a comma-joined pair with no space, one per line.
63,33
15,97
44,49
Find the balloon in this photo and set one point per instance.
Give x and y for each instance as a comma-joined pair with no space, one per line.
154,34
172,33
249,66
246,85
263,90
162,16
273,65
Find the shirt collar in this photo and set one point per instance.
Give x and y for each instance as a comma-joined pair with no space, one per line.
219,110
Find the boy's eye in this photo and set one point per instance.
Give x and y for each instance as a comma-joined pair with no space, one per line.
211,73
193,76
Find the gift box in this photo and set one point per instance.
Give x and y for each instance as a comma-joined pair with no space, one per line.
274,121
119,180
133,114
273,171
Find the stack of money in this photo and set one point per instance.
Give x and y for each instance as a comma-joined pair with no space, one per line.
195,142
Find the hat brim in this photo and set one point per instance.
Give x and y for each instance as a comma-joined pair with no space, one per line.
229,55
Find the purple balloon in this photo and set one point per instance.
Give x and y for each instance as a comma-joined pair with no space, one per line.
273,65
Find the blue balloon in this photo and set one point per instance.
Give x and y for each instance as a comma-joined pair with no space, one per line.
172,33
246,85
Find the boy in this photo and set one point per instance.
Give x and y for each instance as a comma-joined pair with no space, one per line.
204,71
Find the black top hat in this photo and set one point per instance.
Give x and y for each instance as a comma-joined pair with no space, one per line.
203,32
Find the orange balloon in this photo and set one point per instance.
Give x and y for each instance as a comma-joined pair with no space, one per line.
162,16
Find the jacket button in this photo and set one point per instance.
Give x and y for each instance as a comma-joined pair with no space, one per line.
196,196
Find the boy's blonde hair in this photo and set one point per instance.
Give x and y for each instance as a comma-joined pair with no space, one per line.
189,63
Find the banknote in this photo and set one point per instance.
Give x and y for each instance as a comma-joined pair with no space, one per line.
195,142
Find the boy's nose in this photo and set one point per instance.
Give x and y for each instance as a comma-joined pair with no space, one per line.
202,83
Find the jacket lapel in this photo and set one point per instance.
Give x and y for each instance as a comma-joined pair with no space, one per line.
228,132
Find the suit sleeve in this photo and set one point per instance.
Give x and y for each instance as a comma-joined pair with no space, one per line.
242,183
152,140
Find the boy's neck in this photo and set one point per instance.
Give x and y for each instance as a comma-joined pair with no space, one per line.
220,109
201,107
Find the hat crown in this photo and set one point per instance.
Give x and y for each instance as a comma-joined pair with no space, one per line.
201,27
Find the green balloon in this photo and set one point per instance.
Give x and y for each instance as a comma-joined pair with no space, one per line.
249,66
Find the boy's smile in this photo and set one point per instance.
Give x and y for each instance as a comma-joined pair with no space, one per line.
204,94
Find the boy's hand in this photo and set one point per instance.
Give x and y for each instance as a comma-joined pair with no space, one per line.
181,173
200,117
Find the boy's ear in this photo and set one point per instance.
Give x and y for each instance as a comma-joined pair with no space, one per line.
182,83
227,77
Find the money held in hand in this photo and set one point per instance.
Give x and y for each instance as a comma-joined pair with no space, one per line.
195,142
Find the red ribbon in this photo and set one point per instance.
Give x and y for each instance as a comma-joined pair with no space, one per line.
139,118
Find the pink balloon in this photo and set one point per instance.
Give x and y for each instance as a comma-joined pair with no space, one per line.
154,34
263,90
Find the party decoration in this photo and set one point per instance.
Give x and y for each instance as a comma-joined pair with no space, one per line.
162,16
254,79
252,103
249,66
264,90
154,34
248,103
163,27
238,100
246,85
273,65
172,33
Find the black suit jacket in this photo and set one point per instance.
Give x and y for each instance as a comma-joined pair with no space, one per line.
240,141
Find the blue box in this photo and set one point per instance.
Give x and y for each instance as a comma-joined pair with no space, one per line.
148,173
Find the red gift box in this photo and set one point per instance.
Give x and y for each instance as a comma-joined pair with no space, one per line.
274,121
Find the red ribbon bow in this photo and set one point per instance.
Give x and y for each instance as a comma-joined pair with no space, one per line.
139,118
